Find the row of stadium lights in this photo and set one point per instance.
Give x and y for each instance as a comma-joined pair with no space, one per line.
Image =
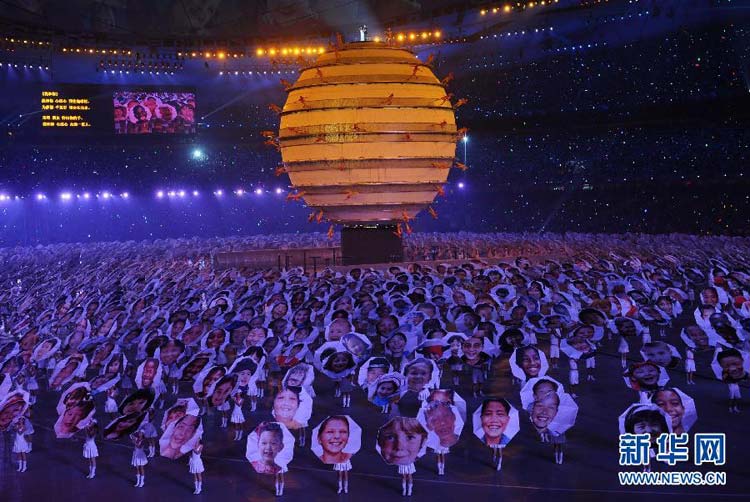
66,196
160,194
18,65
507,8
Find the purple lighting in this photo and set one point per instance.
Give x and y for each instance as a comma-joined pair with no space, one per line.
160,194
40,196
258,191
66,196
461,184
278,191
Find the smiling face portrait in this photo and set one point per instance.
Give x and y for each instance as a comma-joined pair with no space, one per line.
646,421
646,375
339,362
170,445
223,389
697,335
333,436
285,406
270,442
544,410
472,348
150,367
528,360
401,440
66,425
441,420
732,365
495,416
671,402
418,374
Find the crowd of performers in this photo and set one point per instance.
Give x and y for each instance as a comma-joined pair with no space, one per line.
145,343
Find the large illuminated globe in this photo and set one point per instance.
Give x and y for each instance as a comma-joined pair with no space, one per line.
368,134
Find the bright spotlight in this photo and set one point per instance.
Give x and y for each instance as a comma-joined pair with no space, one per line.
198,154
240,192
160,194
181,193
40,196
86,195
219,193
124,195
461,184
279,190
258,191
66,196
465,139
106,195
195,193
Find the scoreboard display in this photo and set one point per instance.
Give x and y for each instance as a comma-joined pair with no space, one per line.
117,110
61,109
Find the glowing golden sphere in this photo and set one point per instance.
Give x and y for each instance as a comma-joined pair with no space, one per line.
367,134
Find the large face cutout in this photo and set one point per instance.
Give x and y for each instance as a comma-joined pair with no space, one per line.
642,418
180,436
401,441
12,406
496,422
292,407
443,423
528,362
419,374
149,374
123,426
137,402
678,406
386,389
730,365
662,354
336,439
270,448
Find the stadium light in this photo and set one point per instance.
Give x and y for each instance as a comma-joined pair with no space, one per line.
258,191
160,194
461,184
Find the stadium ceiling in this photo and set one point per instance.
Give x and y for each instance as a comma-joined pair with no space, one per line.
142,20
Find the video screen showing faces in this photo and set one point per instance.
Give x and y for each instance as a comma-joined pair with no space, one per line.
154,112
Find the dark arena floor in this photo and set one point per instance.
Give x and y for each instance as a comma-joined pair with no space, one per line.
529,472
